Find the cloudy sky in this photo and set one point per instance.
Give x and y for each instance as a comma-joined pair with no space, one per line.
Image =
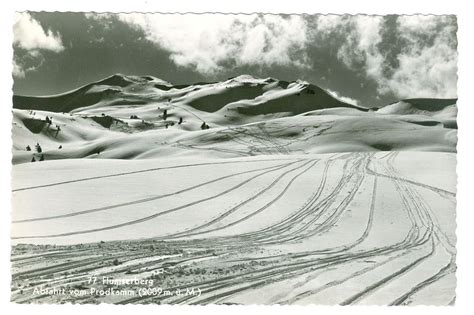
369,60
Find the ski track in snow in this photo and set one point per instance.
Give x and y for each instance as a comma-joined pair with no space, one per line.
367,267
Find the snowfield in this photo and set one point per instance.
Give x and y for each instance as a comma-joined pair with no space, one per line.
289,197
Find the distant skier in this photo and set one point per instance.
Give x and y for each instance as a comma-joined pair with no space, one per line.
38,148
180,120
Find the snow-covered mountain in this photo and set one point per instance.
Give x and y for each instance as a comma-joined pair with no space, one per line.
258,191
130,117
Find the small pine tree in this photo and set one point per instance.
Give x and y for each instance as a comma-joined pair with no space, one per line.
28,148
33,159
41,157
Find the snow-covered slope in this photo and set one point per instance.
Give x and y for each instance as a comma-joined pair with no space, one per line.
348,228
130,117
255,191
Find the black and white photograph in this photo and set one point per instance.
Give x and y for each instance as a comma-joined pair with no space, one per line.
233,158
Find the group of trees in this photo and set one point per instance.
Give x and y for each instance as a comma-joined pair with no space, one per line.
39,151
165,117
38,156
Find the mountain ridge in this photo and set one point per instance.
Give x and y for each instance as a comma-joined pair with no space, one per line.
140,117
118,84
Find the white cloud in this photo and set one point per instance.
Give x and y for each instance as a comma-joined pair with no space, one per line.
427,63
344,99
28,62
361,35
29,34
98,16
361,44
326,24
18,71
429,71
419,23
425,69
207,41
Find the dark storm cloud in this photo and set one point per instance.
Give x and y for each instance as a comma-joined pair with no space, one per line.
372,59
